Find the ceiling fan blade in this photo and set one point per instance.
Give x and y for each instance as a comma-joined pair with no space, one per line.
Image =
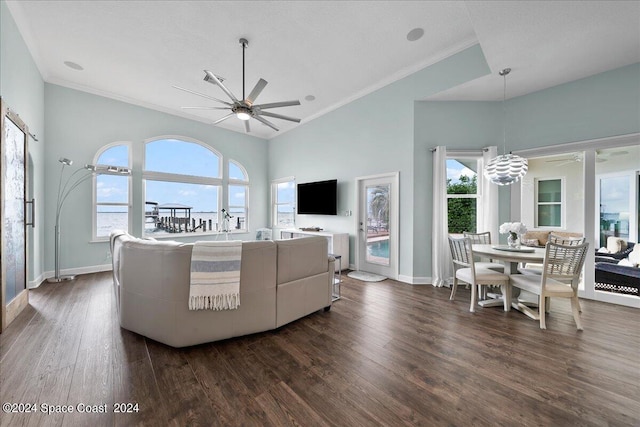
203,95
256,91
211,78
266,122
205,108
223,118
278,116
247,128
277,104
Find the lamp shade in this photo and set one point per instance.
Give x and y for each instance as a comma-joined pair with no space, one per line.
506,169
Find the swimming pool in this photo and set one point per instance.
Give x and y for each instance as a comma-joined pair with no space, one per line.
378,249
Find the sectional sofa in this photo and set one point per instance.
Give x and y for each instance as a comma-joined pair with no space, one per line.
280,281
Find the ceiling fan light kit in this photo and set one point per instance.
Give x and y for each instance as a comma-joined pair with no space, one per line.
245,108
505,169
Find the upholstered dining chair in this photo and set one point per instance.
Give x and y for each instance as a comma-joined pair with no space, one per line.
560,277
469,271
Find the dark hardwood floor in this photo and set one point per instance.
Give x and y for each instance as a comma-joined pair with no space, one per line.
386,354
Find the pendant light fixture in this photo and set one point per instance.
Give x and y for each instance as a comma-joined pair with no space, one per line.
506,168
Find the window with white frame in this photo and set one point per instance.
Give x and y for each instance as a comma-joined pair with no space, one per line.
182,187
462,193
111,195
283,202
238,197
549,202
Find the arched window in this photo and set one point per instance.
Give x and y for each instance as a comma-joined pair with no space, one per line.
238,196
112,190
182,185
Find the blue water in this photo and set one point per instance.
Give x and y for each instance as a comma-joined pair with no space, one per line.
379,248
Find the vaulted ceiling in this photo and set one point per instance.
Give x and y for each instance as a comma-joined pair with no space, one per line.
332,51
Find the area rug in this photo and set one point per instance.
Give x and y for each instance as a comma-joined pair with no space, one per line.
366,277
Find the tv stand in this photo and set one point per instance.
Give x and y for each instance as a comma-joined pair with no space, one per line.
338,242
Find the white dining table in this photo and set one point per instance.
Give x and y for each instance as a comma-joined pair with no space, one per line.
511,258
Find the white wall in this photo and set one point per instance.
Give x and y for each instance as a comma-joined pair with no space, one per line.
572,175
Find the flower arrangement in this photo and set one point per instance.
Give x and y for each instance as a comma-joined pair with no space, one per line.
513,227
515,230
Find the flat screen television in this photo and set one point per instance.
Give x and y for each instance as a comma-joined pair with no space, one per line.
318,198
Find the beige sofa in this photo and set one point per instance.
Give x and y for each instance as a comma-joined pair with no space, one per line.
280,281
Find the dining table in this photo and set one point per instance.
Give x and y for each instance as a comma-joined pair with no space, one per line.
511,257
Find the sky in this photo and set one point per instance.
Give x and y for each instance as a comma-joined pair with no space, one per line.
455,170
172,156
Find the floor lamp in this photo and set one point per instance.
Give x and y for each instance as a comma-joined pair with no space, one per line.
74,180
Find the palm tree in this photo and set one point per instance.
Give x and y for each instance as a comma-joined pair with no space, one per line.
379,205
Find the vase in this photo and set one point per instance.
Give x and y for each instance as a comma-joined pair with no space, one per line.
513,240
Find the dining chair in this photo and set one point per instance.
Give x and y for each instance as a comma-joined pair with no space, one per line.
469,271
485,239
560,240
567,241
560,276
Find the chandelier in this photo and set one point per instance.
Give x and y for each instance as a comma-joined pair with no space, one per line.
505,169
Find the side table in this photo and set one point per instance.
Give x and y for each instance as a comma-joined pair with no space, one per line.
335,293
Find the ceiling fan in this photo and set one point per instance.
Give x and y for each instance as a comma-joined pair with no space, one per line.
244,108
575,157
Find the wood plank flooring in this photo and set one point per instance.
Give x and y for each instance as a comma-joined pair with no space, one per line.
387,354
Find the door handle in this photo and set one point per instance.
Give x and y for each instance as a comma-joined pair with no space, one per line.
31,202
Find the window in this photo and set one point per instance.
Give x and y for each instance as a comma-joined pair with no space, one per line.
238,196
182,185
549,202
283,202
462,194
111,192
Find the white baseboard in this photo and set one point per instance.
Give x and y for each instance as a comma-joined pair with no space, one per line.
71,271
415,280
36,282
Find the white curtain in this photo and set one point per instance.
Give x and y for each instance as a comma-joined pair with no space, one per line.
440,256
488,203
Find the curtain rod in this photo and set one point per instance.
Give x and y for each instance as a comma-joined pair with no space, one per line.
485,149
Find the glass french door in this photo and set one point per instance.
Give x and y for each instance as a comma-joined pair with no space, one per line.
378,238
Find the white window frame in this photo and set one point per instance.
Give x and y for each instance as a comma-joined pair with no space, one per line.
94,198
239,183
274,200
562,203
454,155
187,179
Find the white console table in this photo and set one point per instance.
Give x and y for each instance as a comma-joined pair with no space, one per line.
338,242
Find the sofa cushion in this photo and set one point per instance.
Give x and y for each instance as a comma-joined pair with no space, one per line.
616,244
543,236
301,257
634,256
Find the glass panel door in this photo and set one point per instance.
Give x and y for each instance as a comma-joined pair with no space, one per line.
378,213
377,221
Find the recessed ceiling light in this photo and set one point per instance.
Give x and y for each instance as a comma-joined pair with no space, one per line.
415,34
73,65
310,98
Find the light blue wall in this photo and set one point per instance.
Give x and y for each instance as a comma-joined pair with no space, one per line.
372,135
458,126
599,106
78,124
22,88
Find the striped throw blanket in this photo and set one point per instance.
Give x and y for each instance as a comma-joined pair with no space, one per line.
215,275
